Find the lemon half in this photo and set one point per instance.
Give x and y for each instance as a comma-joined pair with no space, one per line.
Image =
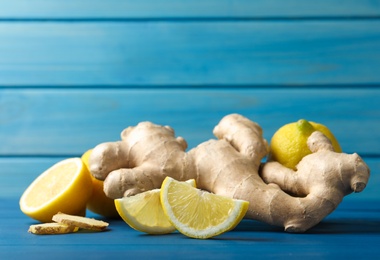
64,187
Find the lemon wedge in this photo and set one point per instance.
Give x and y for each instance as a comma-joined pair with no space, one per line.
199,214
64,187
143,212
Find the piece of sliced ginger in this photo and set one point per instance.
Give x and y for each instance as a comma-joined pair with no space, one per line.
65,224
80,222
51,229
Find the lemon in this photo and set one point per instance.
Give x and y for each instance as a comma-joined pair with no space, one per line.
64,187
99,203
289,144
144,212
199,214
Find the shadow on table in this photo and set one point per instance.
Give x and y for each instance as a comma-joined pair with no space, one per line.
347,226
329,226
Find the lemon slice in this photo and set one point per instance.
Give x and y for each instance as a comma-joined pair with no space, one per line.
143,212
199,214
64,187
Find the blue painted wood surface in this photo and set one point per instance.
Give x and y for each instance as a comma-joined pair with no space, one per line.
70,121
191,54
344,235
75,73
197,9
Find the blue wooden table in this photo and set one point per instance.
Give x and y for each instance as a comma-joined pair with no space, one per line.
73,74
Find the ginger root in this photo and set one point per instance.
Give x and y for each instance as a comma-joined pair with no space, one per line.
231,166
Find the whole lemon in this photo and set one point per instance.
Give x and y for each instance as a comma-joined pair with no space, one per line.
99,203
289,144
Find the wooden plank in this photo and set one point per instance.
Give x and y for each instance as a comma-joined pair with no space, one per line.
346,234
70,121
50,9
189,54
18,173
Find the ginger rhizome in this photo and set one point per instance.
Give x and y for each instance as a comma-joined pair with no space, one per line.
231,166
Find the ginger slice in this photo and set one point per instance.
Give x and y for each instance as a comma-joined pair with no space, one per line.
81,222
52,229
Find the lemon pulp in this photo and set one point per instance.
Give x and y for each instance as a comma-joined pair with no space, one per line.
50,185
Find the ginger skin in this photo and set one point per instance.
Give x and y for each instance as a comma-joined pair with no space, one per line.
140,162
231,166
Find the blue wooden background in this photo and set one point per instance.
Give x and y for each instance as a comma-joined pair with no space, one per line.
75,73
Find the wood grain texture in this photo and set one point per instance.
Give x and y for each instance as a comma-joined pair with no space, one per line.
53,9
190,54
69,121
